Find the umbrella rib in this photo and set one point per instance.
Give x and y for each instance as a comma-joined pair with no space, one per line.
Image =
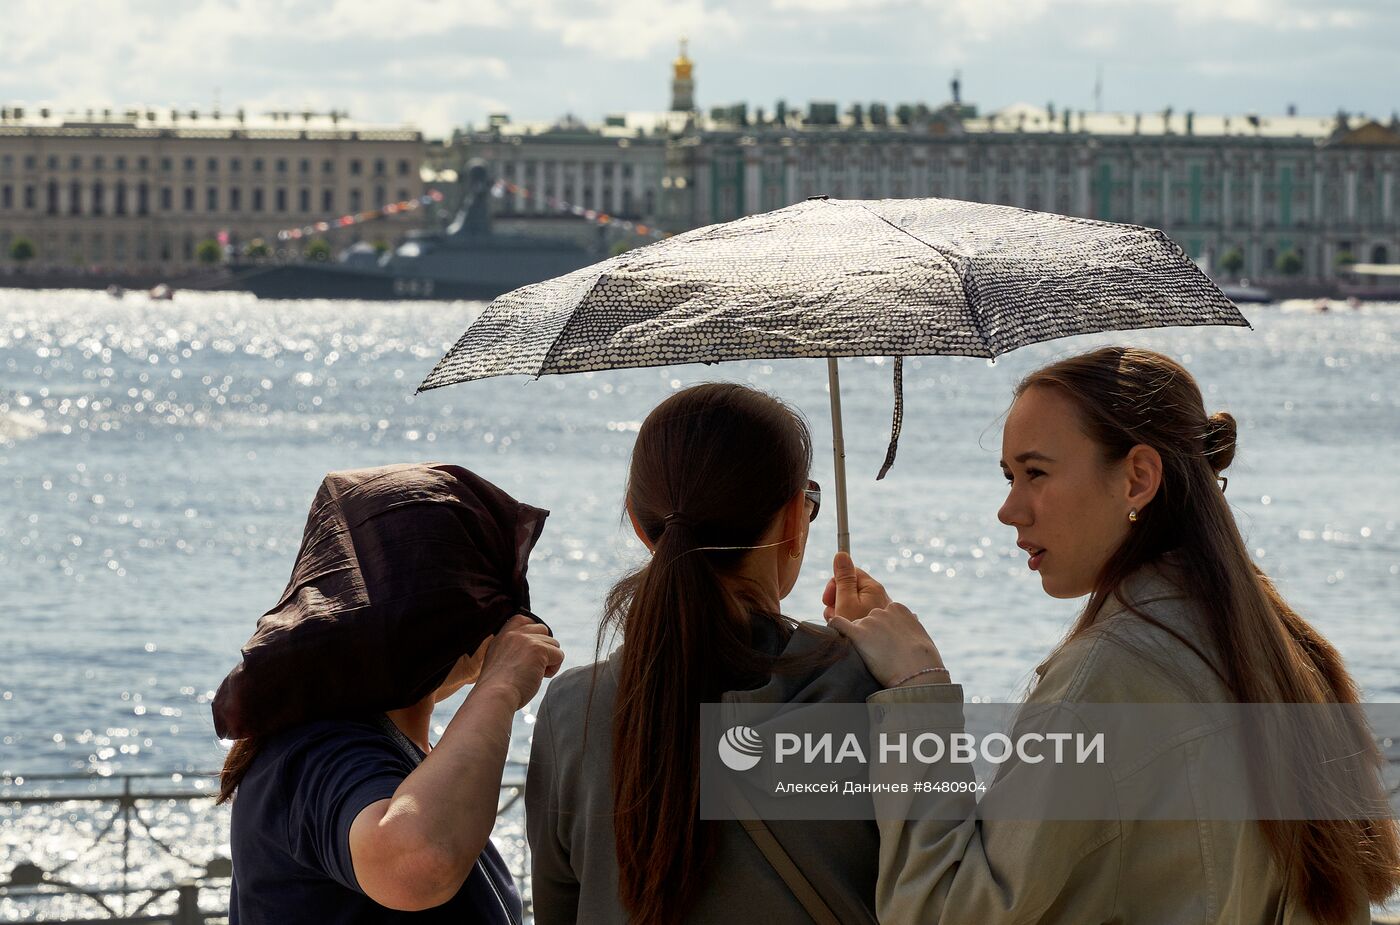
962,280
564,328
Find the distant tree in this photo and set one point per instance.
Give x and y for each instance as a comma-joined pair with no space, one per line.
622,246
1345,259
1232,261
21,250
1290,263
381,246
318,249
257,248
209,252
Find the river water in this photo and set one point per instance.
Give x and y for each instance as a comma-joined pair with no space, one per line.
157,460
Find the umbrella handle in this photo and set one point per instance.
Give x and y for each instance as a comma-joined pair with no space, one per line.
838,446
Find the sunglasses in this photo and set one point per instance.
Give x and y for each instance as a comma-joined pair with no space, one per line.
813,493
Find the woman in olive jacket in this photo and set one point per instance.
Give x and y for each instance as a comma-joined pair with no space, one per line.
718,492
1116,494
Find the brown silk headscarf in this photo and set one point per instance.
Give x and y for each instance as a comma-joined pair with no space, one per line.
402,570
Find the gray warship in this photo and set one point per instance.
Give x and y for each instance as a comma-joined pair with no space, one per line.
467,260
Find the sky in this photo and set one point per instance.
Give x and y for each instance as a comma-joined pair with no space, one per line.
440,64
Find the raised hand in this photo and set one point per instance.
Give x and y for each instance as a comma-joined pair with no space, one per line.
851,592
522,654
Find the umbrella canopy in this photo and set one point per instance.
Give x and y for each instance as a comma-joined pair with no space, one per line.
833,278
828,277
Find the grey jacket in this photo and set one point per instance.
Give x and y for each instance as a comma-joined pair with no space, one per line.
568,814
962,868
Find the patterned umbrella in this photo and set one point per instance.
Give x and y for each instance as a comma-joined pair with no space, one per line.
835,278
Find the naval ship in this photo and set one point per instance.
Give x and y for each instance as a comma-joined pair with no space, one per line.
466,261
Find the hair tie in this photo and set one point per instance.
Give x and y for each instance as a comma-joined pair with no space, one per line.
676,517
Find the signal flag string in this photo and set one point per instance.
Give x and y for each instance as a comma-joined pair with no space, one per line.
356,218
499,189
596,217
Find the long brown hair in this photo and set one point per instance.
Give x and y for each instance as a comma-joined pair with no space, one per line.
1264,651
236,764
712,466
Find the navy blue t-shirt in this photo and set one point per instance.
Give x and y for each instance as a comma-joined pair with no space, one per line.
290,834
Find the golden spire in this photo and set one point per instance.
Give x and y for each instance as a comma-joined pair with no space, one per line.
682,66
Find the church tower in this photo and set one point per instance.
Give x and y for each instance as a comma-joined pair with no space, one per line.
682,83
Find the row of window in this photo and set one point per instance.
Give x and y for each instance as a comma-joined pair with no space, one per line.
379,167
1036,168
137,200
872,161
1179,184
626,206
1147,188
525,171
1062,197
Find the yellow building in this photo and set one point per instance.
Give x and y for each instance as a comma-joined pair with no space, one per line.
137,190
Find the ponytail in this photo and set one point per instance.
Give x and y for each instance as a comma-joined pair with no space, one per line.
712,466
687,641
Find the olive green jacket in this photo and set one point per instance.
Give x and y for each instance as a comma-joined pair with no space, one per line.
962,868
569,810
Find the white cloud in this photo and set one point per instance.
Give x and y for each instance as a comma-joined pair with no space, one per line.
1256,12
404,19
833,6
957,21
443,71
182,54
629,29
1278,15
988,17
1099,38
442,62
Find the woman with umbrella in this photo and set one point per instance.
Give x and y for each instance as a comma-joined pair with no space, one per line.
1116,494
718,491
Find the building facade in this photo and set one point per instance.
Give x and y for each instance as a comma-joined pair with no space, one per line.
1278,195
138,190
1322,190
616,168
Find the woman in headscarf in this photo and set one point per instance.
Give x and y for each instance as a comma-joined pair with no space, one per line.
408,586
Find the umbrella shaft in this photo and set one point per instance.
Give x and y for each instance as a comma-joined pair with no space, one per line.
838,445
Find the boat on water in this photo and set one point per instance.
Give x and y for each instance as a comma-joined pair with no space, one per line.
1242,292
467,260
1374,282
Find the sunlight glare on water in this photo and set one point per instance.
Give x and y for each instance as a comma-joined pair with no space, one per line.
157,460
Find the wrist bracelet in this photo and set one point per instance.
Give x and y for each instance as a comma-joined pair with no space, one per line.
919,672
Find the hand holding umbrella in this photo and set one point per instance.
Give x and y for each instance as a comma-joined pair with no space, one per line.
851,592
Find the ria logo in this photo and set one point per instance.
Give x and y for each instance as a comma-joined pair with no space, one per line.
740,748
